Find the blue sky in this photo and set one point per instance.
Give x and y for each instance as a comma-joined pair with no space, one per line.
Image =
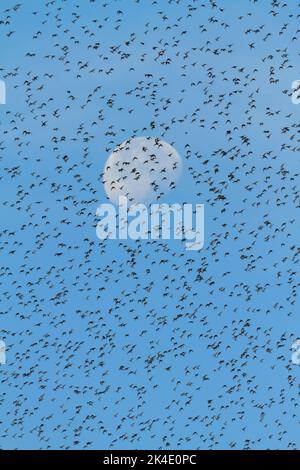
70,321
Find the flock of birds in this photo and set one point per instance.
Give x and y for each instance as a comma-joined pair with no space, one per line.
141,344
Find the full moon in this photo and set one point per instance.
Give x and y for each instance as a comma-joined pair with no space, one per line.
143,169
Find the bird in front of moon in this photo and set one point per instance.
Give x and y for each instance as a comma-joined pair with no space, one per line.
143,169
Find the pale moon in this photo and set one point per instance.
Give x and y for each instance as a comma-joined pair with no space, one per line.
143,169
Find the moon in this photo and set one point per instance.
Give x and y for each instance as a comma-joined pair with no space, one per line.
143,169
